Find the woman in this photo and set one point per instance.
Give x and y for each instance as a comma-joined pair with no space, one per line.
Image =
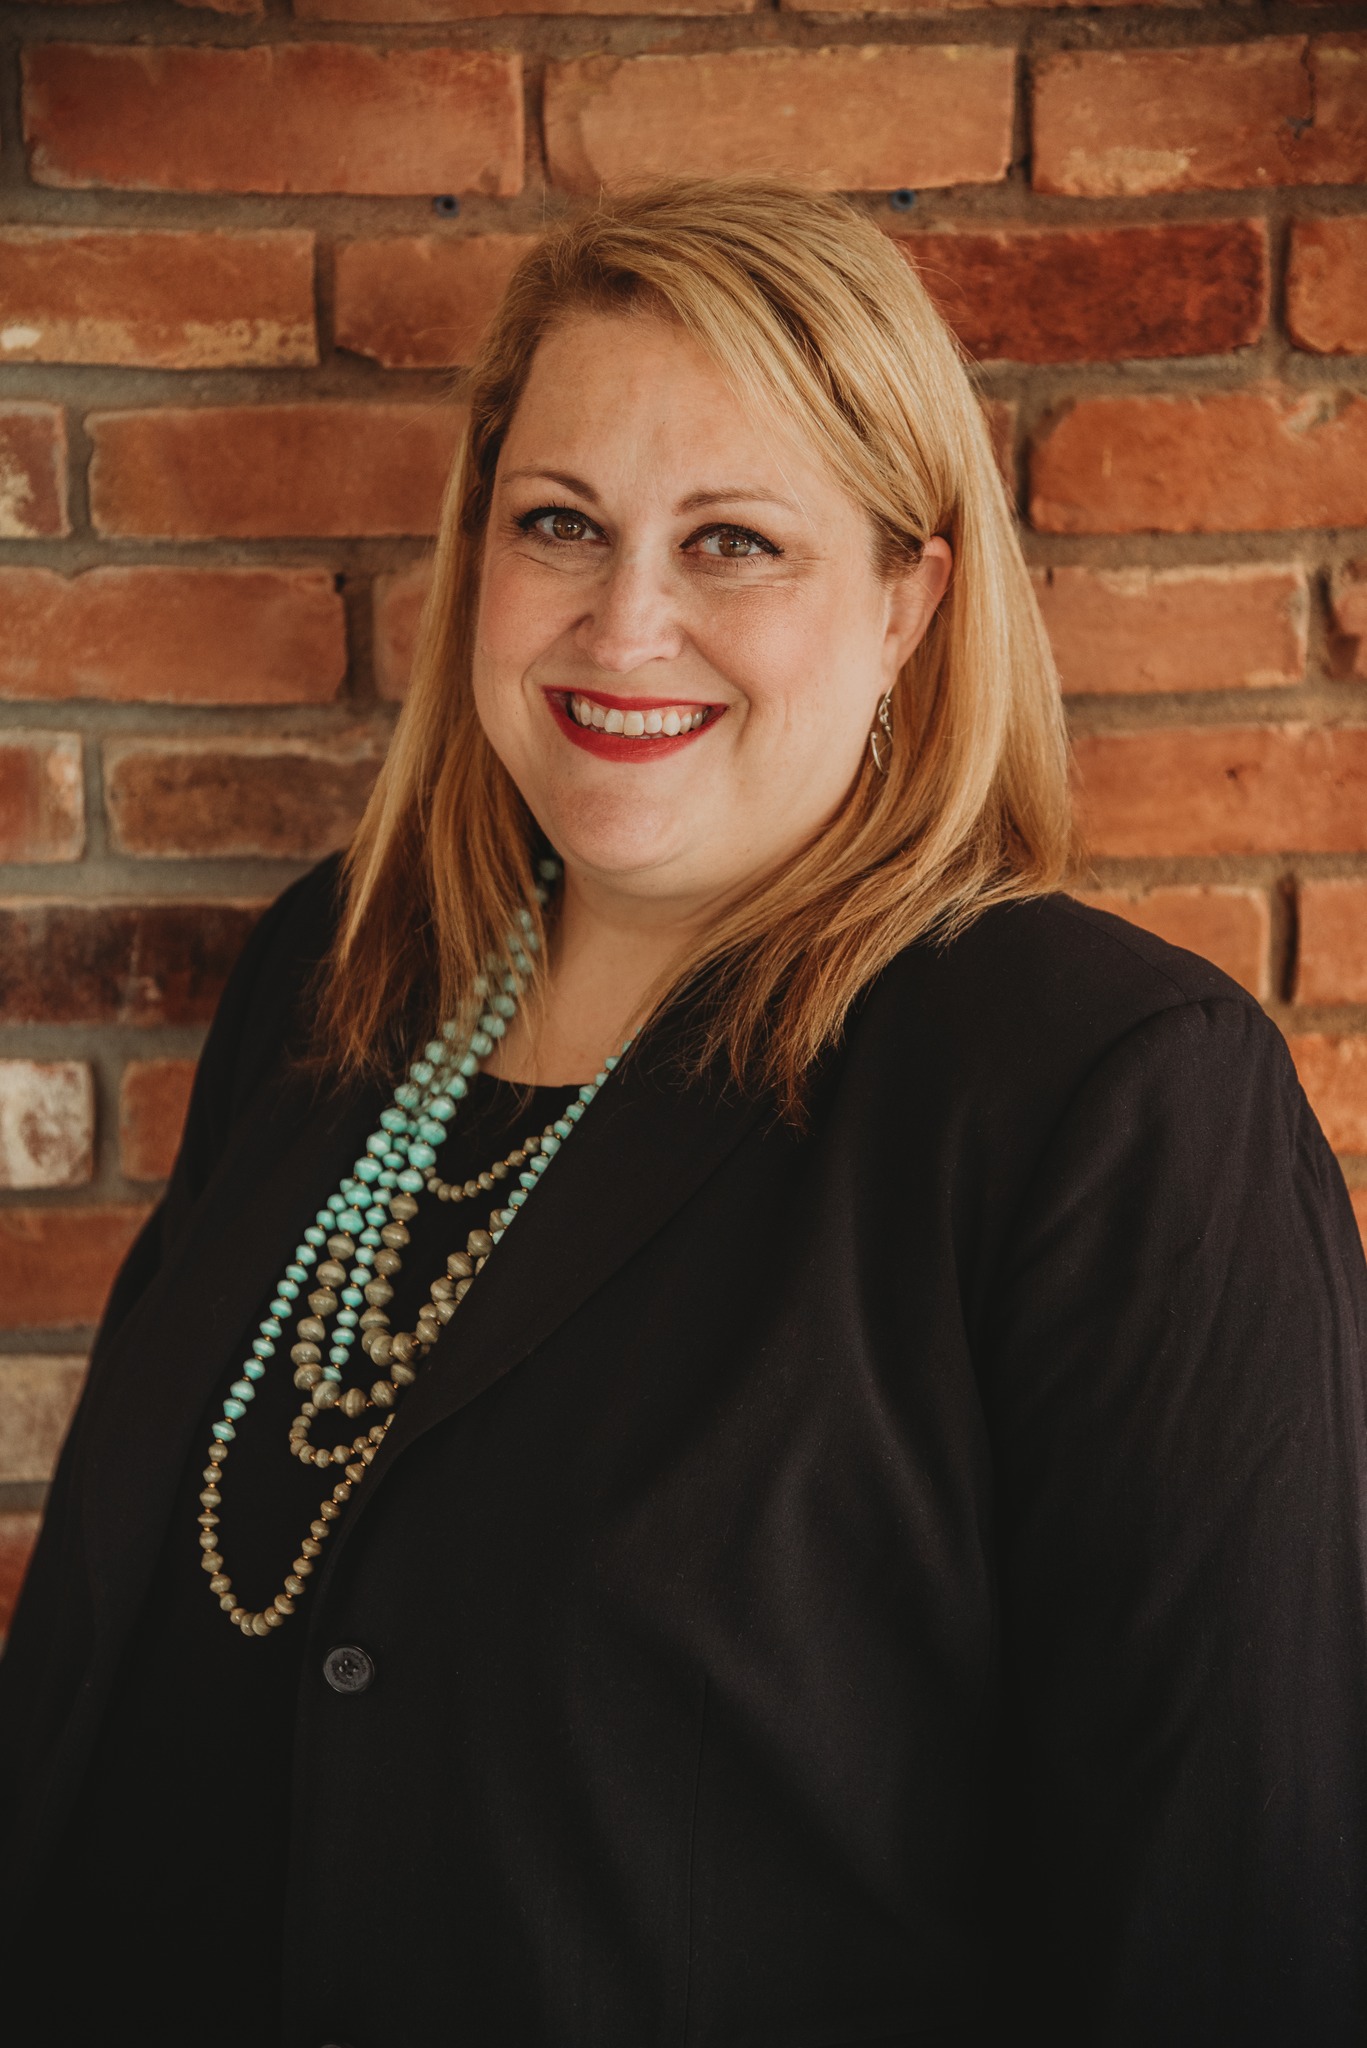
875,1553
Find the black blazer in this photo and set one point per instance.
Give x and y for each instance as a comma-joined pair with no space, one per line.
900,1581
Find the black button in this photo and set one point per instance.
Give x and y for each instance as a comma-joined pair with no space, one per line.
348,1669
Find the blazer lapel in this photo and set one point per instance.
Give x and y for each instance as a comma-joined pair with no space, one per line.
283,1160
647,1143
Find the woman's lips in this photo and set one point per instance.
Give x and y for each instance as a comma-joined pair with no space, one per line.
629,728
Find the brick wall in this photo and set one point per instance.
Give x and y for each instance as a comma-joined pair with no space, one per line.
244,246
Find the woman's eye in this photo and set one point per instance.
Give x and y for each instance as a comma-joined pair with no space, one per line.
734,544
556,522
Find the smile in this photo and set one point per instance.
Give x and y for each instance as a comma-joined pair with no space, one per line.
629,728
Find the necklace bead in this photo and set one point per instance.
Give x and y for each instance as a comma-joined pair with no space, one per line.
365,1221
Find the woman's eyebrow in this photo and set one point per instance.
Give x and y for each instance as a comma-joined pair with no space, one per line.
733,494
553,476
696,501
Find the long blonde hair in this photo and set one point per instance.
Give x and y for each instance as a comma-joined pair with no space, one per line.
809,309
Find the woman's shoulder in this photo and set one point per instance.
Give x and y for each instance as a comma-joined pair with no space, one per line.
1031,995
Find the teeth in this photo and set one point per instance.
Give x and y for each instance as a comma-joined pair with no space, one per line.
635,725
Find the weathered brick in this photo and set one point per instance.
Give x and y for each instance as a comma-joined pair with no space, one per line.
1286,110
398,600
47,1124
1326,285
962,6
173,636
479,10
42,800
1240,461
37,1396
1348,596
162,299
33,501
1232,927
1224,789
1065,295
862,118
64,962
271,471
280,799
1130,631
1331,950
1333,1071
153,1095
279,117
18,1534
422,300
56,1264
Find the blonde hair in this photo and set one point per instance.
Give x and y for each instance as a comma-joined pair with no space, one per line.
808,308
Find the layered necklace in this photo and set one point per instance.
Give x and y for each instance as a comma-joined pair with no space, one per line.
349,1257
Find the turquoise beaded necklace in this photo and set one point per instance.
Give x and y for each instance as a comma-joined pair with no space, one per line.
366,1222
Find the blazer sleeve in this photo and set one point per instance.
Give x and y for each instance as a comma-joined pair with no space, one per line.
1175,1397
42,1662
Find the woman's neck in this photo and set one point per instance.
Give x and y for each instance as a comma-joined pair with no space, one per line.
607,957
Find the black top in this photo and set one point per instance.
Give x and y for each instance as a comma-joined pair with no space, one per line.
188,1792
899,1580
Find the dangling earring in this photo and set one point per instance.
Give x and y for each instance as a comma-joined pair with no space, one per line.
884,719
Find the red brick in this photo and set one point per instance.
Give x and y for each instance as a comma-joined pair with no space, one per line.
1333,1071
480,10
1232,927
56,1264
37,1396
963,6
422,300
153,1095
399,600
1069,295
47,1123
271,471
42,801
277,799
64,962
1131,631
1287,110
280,117
859,118
1331,952
1224,789
18,1534
164,300
173,636
1326,285
33,502
1348,597
1240,461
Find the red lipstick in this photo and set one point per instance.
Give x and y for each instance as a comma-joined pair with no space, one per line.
615,746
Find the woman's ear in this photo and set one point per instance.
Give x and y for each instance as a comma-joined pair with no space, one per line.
913,594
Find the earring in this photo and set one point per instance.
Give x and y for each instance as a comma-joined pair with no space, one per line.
883,720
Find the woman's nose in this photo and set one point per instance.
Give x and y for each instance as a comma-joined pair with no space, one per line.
633,617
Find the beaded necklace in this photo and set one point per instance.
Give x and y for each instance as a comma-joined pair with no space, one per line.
366,1220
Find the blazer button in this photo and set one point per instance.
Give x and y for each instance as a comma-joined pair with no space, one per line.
348,1669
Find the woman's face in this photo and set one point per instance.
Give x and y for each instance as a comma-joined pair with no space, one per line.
682,636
